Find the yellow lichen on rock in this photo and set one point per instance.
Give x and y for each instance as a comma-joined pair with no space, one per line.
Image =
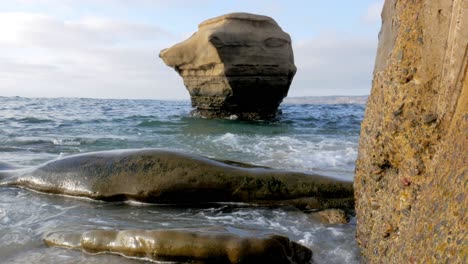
410,185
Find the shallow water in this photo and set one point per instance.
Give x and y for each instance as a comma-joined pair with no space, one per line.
311,138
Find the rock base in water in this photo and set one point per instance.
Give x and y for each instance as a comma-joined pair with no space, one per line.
185,246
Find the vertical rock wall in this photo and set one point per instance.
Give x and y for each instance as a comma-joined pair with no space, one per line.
411,174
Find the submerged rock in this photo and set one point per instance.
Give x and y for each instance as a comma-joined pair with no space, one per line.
160,176
237,64
412,166
185,246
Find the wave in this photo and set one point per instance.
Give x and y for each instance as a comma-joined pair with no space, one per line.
29,120
316,154
311,138
67,142
42,142
157,123
327,242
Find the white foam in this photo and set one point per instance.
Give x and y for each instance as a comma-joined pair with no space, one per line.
228,139
335,232
312,154
308,240
66,142
327,250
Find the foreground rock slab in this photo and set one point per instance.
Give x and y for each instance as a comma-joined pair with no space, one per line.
236,64
411,174
161,176
185,246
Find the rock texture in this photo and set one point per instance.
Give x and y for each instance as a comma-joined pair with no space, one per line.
236,64
331,216
411,174
161,176
185,247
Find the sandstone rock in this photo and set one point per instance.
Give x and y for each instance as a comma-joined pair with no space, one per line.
236,64
161,176
331,216
185,246
411,173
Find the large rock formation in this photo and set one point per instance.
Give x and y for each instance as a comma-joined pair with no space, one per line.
161,176
411,176
236,64
180,246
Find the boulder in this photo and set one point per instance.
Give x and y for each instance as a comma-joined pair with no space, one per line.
185,246
331,216
236,64
162,176
411,173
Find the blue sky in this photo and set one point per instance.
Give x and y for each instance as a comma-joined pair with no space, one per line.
109,48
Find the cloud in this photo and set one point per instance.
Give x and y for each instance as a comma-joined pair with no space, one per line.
96,56
334,64
372,15
41,30
90,57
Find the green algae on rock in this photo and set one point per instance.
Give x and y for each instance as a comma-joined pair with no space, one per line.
411,172
185,246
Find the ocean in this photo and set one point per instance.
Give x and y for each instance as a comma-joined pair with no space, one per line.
314,138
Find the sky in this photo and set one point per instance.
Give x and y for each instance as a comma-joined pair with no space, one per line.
109,48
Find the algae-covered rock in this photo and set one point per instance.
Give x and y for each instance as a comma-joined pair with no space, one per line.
411,174
185,246
236,64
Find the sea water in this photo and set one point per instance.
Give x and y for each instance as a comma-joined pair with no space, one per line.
315,138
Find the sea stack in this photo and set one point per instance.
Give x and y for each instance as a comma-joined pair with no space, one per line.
238,64
411,183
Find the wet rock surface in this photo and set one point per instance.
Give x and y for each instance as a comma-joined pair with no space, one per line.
161,176
185,246
238,64
411,171
331,216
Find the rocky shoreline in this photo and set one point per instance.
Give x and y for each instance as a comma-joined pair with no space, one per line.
409,191
161,176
